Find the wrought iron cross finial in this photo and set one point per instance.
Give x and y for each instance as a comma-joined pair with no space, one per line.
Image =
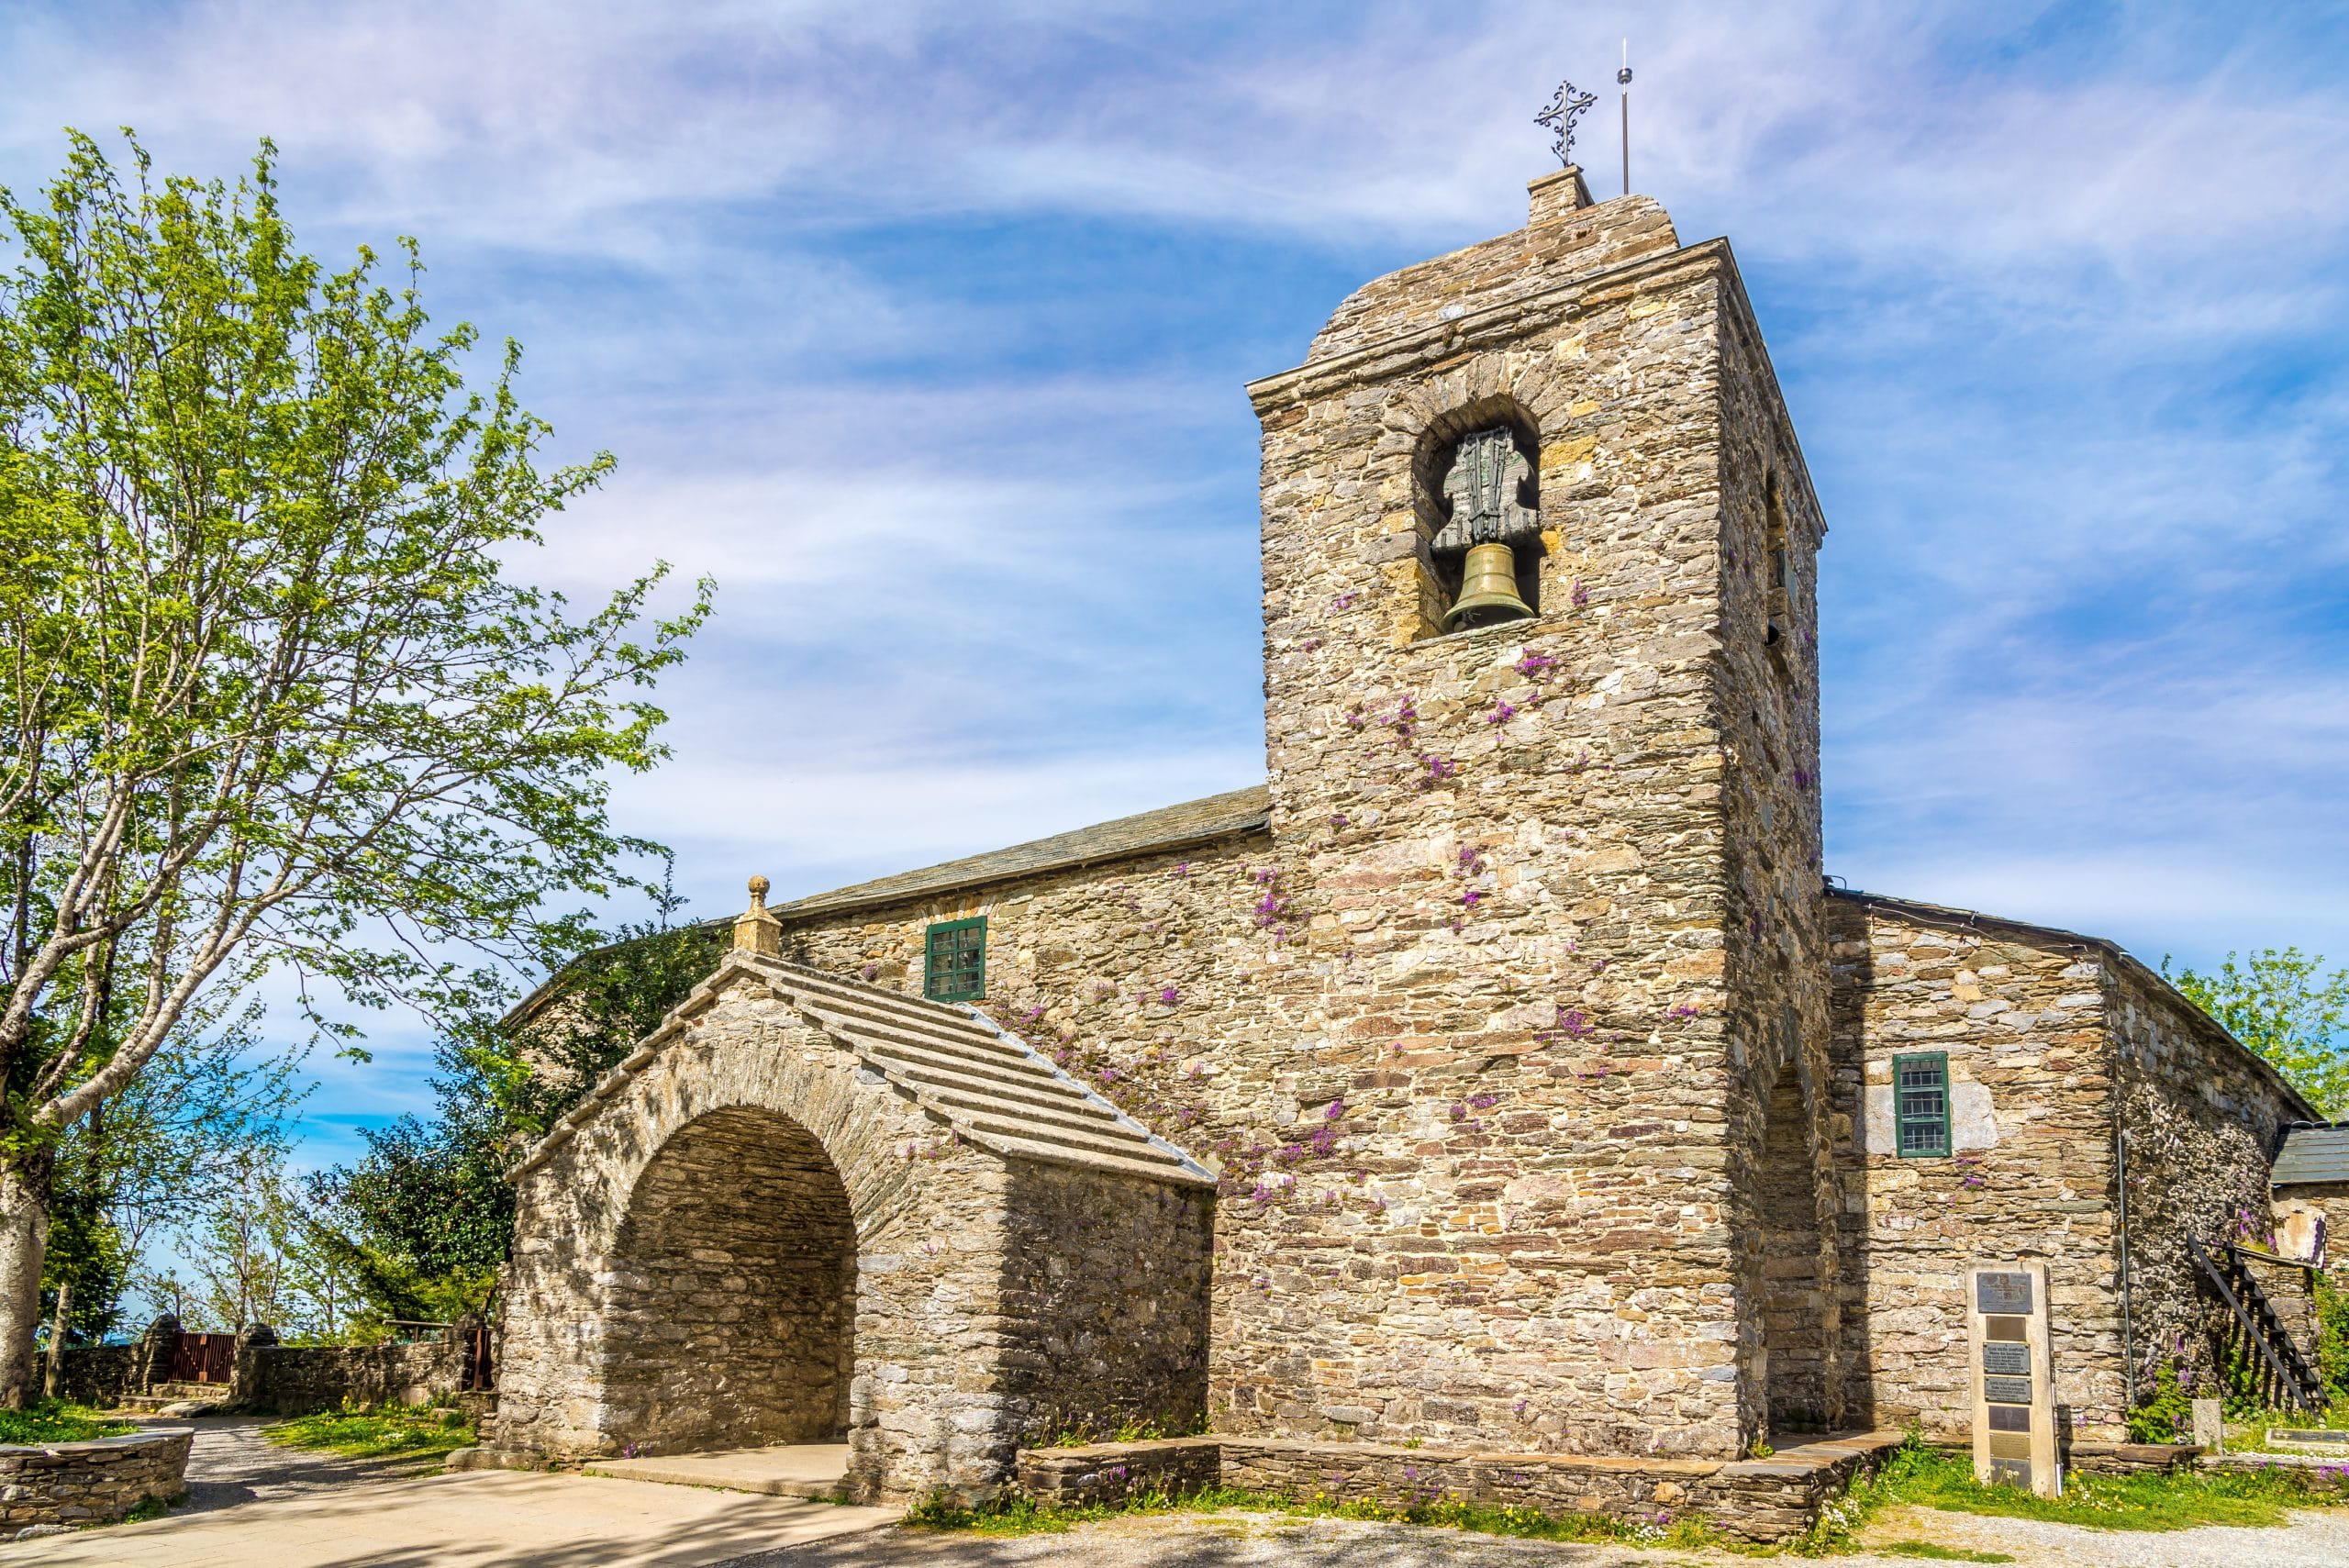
1565,107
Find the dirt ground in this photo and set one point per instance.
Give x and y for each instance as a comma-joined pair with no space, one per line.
2315,1539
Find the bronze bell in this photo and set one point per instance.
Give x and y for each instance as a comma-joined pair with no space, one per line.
1487,589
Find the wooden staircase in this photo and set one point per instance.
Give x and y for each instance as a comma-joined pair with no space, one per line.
2295,1378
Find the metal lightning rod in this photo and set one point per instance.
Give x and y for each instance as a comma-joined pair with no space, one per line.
1623,80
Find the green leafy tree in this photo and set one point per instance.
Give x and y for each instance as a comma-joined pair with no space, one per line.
2286,1007
159,1291
323,1304
259,1253
267,699
158,1154
243,1245
86,1270
428,1213
537,1063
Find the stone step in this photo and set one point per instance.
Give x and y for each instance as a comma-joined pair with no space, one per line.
1033,1077
1077,1116
1122,1142
1149,1170
1041,1095
976,1045
800,1470
889,1006
974,1040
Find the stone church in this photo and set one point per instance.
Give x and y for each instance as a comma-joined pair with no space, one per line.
1502,1074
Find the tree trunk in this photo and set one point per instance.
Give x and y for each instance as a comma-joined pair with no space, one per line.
23,1244
53,1386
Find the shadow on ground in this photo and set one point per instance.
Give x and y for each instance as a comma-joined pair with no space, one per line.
232,1464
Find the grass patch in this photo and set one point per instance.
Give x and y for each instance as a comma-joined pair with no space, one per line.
1015,1513
409,1429
1938,1553
55,1421
1924,1477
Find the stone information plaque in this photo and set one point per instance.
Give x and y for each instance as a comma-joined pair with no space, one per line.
2012,1377
2004,1291
2006,1358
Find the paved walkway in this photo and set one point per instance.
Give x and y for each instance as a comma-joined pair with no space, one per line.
785,1470
257,1506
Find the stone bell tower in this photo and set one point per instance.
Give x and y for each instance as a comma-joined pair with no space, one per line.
1556,854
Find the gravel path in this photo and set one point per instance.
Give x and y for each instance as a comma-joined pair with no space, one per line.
1211,1540
2316,1540
232,1465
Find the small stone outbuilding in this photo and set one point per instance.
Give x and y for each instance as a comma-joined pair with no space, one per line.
813,1210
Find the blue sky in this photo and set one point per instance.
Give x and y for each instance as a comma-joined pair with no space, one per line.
922,328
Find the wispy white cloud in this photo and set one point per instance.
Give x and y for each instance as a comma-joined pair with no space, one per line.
892,314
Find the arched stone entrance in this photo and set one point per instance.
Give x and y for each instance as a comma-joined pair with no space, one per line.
808,1207
732,1304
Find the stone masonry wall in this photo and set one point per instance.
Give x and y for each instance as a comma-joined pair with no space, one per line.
98,1482
1781,1148
296,1379
1104,1304
2204,1119
739,1282
103,1375
1752,1500
2021,1017
287,1379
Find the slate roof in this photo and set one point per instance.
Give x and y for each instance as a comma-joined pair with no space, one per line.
988,1086
2112,952
2312,1154
1168,828
1194,822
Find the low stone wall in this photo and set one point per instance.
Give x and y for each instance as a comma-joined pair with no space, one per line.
103,1375
98,1482
289,1380
2129,1459
1753,1500
1110,1473
293,1380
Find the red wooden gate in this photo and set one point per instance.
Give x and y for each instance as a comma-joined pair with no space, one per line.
203,1358
480,1371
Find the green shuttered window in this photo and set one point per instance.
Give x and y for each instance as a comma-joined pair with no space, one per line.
956,966
1920,1104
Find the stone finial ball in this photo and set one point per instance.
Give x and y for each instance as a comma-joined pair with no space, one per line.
759,886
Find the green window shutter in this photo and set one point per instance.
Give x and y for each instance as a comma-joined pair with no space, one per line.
956,966
1920,1104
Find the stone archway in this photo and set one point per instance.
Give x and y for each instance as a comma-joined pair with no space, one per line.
731,1306
806,1203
